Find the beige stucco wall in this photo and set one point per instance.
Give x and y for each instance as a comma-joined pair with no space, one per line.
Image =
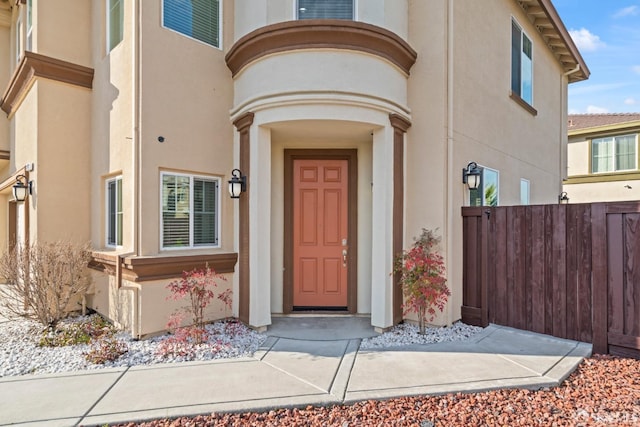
451,85
5,75
61,34
186,99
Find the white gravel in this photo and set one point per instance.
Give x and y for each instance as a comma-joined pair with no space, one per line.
408,334
21,355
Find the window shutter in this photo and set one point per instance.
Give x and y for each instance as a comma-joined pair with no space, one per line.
325,9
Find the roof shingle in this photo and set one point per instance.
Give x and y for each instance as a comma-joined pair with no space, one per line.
585,121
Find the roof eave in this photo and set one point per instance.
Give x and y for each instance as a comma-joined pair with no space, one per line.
544,16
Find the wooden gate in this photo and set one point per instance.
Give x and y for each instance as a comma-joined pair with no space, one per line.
571,271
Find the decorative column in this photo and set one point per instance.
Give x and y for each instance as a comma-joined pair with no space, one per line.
243,125
400,126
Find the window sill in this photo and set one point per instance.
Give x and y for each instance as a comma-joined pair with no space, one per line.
524,104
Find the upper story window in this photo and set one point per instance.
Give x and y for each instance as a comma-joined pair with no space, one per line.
521,64
115,23
614,153
114,212
189,211
325,9
198,19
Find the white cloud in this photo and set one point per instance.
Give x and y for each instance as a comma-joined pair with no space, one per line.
592,109
636,69
586,40
630,101
627,11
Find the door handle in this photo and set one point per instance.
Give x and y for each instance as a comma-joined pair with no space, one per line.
344,257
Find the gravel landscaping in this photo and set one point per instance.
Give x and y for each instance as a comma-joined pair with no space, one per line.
20,353
603,391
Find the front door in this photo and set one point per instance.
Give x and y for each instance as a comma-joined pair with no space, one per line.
320,234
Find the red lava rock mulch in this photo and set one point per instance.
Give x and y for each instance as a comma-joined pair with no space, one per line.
603,391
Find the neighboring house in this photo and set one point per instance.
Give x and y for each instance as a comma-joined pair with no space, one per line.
603,160
351,120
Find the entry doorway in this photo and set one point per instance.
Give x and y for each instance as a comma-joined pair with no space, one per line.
320,271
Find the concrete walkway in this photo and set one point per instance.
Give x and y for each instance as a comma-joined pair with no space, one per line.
289,372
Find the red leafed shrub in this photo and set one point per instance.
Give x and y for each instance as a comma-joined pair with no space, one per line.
422,277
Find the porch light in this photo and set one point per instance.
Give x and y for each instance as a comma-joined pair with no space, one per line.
21,188
471,175
237,184
563,198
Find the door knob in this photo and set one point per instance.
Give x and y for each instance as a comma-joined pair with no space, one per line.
344,257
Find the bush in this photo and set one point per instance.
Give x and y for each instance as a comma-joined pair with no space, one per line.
42,279
422,277
74,333
105,349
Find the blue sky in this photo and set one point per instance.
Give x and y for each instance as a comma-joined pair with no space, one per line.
607,32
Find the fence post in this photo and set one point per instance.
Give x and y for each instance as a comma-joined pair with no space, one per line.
599,278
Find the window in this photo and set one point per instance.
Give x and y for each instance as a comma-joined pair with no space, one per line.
525,189
115,23
487,193
521,64
29,45
198,19
114,212
614,153
325,9
189,211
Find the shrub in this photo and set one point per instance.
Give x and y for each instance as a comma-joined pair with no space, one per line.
422,277
42,279
73,333
105,349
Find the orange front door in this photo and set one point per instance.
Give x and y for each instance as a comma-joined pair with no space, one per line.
320,246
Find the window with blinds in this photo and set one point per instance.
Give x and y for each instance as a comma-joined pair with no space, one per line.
189,211
614,153
114,212
325,9
198,19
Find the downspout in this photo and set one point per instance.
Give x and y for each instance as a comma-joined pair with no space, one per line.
448,205
563,133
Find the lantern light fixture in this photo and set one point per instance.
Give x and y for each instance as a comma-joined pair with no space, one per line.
237,184
471,175
21,188
563,198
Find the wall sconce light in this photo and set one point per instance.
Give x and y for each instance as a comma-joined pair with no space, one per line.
21,188
471,175
563,198
237,184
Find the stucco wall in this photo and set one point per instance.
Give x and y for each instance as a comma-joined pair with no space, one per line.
186,92
5,75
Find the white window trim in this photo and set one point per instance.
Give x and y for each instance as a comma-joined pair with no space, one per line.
106,204
191,215
18,41
513,19
29,38
220,20
613,159
297,18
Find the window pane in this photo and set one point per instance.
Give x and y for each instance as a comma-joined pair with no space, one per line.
119,212
524,192
626,152
325,9
194,18
111,213
205,197
175,211
602,155
115,23
516,38
527,70
490,186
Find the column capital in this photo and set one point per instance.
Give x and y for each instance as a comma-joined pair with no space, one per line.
398,122
244,121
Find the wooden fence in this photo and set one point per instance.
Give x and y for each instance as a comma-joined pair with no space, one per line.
571,271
